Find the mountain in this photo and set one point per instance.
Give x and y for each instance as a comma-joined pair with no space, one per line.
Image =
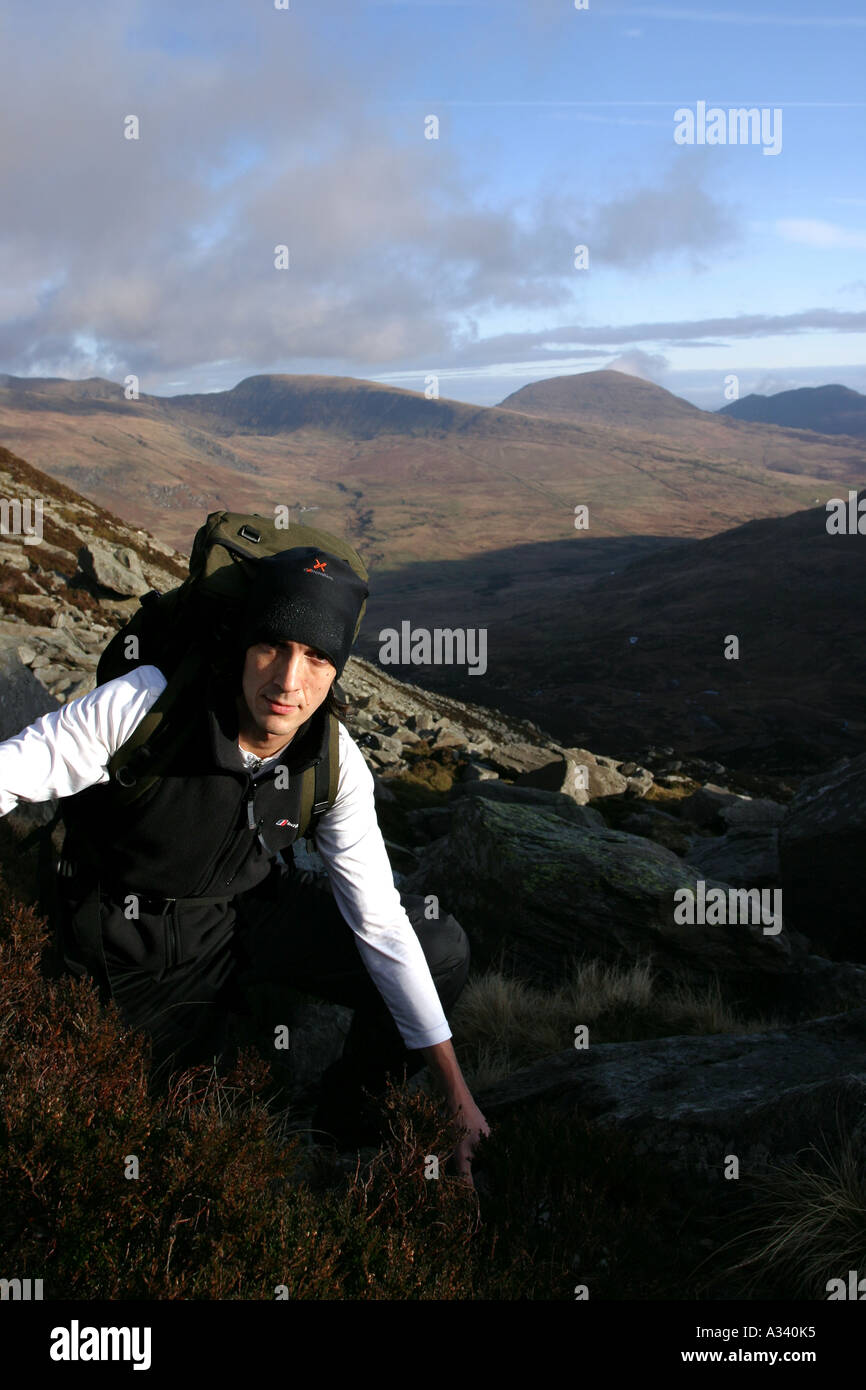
411,479
614,398
823,409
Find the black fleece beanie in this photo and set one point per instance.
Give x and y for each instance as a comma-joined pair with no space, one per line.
304,595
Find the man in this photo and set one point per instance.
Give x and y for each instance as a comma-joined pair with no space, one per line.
175,903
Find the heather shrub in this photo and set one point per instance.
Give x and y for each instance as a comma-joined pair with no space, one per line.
111,1189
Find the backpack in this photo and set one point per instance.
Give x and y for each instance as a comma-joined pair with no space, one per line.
176,632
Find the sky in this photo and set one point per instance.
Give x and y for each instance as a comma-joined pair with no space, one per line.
430,167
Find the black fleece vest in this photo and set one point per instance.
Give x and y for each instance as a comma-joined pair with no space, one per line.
208,827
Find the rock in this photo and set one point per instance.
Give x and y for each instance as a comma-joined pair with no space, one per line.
663,829
704,807
383,757
822,844
381,790
746,858
478,772
51,672
748,811
693,1100
639,782
81,687
156,544
431,821
449,738
562,805
563,775
23,698
389,744
117,569
64,684
26,655
580,774
15,556
523,877
515,758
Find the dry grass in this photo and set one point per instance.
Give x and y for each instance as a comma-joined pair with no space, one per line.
501,1023
808,1223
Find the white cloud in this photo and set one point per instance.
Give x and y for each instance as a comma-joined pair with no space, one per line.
812,232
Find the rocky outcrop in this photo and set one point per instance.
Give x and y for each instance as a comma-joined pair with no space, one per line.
529,879
823,848
23,697
747,858
64,589
114,569
697,1101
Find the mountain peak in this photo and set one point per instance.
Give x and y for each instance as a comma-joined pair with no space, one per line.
615,397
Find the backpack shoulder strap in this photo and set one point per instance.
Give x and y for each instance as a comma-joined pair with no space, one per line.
319,783
138,763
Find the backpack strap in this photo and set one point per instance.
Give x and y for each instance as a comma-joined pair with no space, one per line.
137,764
319,783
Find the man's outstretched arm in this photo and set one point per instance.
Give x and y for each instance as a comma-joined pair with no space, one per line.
442,1061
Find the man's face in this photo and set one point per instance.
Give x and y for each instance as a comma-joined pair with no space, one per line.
282,686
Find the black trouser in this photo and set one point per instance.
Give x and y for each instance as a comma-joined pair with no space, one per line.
290,932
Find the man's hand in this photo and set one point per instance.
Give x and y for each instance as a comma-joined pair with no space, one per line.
443,1063
473,1120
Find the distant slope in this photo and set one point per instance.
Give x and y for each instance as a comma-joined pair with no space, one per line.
824,409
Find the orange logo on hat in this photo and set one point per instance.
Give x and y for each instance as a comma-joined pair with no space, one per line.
319,568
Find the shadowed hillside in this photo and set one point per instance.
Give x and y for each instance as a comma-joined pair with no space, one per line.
623,645
823,409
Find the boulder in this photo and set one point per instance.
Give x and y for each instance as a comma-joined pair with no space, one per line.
747,858
704,807
639,782
23,697
579,774
512,759
114,568
822,845
478,772
693,1101
563,805
753,812
664,829
527,879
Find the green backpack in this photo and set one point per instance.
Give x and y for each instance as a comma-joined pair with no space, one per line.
176,631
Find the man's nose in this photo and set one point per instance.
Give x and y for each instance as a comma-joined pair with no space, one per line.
287,672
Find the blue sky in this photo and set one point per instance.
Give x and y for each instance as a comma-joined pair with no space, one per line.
451,256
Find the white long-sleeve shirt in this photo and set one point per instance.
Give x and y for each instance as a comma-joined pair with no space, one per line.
69,749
